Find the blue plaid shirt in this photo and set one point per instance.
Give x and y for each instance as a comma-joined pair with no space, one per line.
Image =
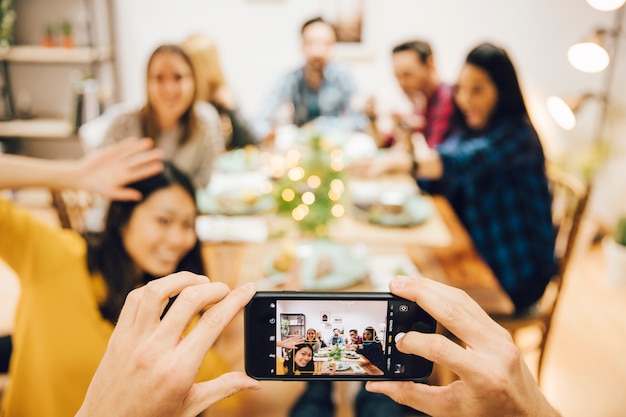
330,105
497,185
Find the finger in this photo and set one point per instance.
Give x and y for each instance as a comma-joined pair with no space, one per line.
145,166
132,145
125,194
432,400
213,321
208,393
440,350
189,303
156,294
450,306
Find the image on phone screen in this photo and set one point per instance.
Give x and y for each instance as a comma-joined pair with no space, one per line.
332,336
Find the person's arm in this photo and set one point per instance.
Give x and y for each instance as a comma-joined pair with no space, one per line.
105,171
493,378
290,342
264,123
149,368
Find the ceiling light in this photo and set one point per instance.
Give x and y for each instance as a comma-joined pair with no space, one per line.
606,5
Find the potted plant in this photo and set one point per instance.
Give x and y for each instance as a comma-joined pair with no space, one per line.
67,39
615,250
48,37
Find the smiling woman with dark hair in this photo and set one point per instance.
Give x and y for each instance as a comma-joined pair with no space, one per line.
492,170
73,288
300,360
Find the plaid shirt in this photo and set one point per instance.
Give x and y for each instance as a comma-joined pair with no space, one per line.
330,105
374,352
497,185
437,114
439,109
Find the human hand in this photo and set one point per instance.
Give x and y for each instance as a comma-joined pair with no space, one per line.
149,368
106,171
290,342
494,380
393,161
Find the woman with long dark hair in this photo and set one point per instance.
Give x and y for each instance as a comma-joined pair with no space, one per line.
300,360
492,170
73,288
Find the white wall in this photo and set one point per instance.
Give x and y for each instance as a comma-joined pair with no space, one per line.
259,39
351,315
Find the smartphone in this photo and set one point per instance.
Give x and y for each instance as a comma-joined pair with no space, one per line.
339,335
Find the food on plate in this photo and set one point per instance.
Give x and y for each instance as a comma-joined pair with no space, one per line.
282,261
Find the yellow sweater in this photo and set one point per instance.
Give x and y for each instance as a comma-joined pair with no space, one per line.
59,335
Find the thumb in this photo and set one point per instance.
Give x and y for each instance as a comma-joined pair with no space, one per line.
205,394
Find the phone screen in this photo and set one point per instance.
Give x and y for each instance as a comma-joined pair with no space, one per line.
350,336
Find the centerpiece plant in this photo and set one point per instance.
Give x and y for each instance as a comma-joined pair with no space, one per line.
311,190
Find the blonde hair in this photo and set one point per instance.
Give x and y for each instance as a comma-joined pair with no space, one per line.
202,51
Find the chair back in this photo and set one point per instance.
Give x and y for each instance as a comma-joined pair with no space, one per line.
569,199
71,206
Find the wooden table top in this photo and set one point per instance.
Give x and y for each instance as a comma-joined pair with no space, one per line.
448,257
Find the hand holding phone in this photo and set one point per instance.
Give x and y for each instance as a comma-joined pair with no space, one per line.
344,336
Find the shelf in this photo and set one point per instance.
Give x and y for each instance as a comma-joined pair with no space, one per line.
45,128
57,55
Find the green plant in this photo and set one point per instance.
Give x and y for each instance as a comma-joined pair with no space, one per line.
620,231
336,353
66,28
311,190
7,20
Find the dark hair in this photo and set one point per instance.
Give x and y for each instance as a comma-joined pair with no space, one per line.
190,123
372,331
291,365
421,48
353,330
106,253
495,61
318,19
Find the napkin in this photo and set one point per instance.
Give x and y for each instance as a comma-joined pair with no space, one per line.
232,228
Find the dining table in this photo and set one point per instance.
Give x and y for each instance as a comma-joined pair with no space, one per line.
438,248
350,363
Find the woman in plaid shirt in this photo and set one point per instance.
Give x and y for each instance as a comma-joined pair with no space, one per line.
492,170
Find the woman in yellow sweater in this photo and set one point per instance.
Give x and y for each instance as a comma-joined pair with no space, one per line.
72,290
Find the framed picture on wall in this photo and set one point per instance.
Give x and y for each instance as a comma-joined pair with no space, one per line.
324,316
354,21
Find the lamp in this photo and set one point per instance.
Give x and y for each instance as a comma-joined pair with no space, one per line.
606,5
590,56
563,111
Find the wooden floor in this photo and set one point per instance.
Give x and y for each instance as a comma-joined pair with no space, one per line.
585,364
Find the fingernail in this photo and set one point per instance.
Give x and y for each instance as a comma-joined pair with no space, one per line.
400,282
399,336
249,287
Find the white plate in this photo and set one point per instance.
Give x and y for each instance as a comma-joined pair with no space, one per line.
349,265
342,366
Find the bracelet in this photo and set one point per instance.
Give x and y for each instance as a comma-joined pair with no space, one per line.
414,168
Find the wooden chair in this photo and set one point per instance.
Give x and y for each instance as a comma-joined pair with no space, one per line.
569,198
71,206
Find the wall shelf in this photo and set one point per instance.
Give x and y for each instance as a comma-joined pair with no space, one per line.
47,128
57,55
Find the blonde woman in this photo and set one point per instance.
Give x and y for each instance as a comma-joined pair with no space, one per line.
212,88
